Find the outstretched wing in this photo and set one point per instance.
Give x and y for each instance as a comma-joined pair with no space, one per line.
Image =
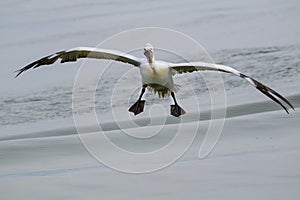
201,66
72,55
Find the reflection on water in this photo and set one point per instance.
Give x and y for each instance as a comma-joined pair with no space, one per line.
269,64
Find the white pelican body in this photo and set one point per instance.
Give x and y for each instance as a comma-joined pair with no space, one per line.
156,75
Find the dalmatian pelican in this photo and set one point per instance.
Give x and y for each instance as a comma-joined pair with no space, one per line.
156,75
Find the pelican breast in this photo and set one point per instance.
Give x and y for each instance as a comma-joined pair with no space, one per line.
158,73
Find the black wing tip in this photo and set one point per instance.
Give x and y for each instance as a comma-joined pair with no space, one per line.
287,111
292,107
16,76
288,103
23,69
272,94
19,71
43,61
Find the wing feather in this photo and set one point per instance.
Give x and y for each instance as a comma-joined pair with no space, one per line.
82,52
201,66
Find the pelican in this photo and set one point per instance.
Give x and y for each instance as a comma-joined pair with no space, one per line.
156,75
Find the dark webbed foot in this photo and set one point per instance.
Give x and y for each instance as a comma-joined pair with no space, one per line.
177,110
138,107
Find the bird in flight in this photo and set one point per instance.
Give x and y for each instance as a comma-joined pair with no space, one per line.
156,75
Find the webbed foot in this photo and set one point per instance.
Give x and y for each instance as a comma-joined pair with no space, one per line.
138,107
176,110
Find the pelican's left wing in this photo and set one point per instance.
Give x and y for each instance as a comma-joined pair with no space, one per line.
72,55
201,66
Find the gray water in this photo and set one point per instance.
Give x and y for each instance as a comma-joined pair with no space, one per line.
257,155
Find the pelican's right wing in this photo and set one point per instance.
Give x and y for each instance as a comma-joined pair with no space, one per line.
201,66
72,55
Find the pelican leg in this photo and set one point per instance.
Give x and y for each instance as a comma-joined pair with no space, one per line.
176,110
138,106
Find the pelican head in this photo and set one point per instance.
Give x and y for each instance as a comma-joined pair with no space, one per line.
148,52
